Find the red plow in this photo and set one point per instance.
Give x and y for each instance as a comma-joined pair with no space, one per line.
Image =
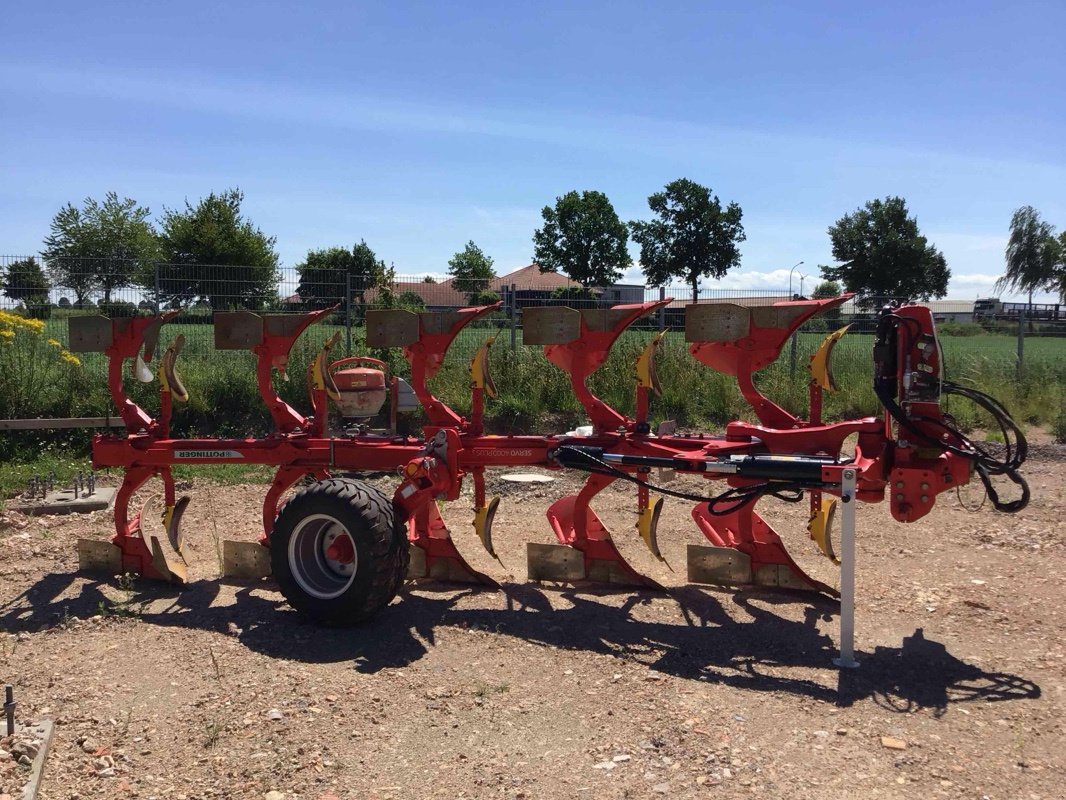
340,549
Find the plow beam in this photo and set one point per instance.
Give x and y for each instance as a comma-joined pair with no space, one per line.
739,341
578,342
270,337
425,339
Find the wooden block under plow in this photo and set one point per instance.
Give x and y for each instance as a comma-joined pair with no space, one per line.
245,560
97,555
554,562
718,565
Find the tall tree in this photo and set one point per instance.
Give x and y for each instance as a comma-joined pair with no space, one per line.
471,271
884,255
101,246
1031,255
1058,283
582,237
214,253
326,274
692,237
25,278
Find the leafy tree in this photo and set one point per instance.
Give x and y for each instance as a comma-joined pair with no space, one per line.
884,255
24,279
324,274
1032,254
693,237
575,297
582,237
826,289
1059,278
101,246
411,301
471,270
486,297
215,254
429,279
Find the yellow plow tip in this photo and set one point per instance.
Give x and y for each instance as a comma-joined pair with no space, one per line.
821,365
483,518
648,525
168,373
480,377
820,528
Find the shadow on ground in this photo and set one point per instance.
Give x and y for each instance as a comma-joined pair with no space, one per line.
769,652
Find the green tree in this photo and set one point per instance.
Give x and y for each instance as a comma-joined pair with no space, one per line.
826,289
25,278
1032,254
215,254
26,281
1059,278
692,237
101,246
884,255
325,274
582,237
471,270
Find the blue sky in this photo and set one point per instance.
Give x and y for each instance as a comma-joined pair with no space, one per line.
419,126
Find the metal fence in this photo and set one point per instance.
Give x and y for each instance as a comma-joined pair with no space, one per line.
71,286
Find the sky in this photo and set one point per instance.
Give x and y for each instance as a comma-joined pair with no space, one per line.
420,126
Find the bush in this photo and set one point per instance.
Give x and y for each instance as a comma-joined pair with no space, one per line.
37,307
953,328
117,308
36,374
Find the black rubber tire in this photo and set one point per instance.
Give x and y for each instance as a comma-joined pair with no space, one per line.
380,541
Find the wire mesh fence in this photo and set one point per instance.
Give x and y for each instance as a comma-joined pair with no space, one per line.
52,293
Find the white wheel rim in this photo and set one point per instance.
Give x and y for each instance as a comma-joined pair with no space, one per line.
317,574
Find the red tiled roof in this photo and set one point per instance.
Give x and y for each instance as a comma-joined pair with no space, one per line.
531,278
432,294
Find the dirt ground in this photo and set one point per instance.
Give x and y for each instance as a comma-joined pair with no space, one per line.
220,690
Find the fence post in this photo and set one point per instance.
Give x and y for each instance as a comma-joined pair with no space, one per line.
348,309
1021,344
662,311
514,319
157,292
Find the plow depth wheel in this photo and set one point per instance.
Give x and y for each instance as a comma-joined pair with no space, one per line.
337,553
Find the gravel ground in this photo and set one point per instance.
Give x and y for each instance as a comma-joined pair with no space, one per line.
220,690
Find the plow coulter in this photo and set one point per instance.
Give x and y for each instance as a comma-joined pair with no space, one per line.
340,549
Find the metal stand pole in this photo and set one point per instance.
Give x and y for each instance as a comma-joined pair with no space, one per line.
348,311
847,573
514,318
9,709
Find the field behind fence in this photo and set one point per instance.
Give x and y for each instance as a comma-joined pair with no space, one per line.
534,394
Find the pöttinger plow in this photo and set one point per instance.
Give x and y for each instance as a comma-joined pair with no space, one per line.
340,548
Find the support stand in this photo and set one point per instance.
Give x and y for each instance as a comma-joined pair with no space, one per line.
847,572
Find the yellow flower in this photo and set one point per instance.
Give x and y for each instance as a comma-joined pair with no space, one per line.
7,334
55,343
69,357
